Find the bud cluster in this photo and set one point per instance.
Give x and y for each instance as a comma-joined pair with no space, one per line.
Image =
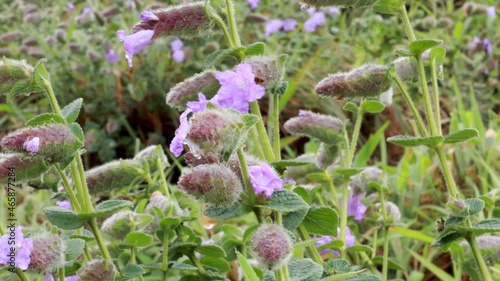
314,125
271,246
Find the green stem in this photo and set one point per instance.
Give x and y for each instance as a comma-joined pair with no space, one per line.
386,254
52,97
246,177
164,261
196,262
450,182
406,23
261,130
276,127
483,269
355,136
313,252
232,23
21,274
332,187
427,99
343,217
98,238
437,110
220,23
61,273
284,270
256,143
132,255
78,184
163,180
67,188
409,101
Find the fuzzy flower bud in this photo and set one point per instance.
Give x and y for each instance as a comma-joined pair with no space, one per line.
214,183
55,142
47,254
214,131
119,224
359,182
321,127
366,81
24,166
151,154
271,246
16,77
97,270
112,176
187,90
353,3
268,70
326,155
393,213
184,21
193,158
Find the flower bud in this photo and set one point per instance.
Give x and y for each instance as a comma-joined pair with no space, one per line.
326,155
30,41
359,182
193,158
187,90
271,246
25,167
47,254
317,126
16,77
393,213
151,154
187,20
214,183
112,176
256,18
214,131
111,11
406,69
119,224
96,270
355,3
268,70
55,142
366,81
11,36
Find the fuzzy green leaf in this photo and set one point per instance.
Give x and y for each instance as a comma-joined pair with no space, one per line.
74,247
293,219
420,46
445,240
304,270
255,49
438,54
387,6
138,239
218,263
350,106
71,111
462,135
131,271
285,201
483,227
211,250
44,118
337,266
410,141
168,224
404,53
216,57
108,207
248,271
322,221
63,218
372,106
224,213
360,248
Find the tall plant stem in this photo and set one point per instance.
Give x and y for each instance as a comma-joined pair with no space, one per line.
311,250
261,130
163,180
483,269
343,217
435,87
431,119
450,181
276,127
246,177
232,23
68,189
385,263
98,238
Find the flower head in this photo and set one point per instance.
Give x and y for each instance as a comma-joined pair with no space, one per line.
333,11
64,204
264,180
32,145
491,11
238,88
289,25
111,56
176,45
317,19
253,4
96,270
135,42
23,247
271,246
272,27
355,207
488,47
47,254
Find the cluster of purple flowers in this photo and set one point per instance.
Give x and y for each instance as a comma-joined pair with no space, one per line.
238,89
316,19
177,53
276,25
483,44
23,247
355,207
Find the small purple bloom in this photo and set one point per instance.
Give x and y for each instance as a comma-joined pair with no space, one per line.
177,53
333,11
178,56
350,240
70,6
253,4
324,240
86,10
64,204
197,106
176,45
238,88
488,47
148,16
134,43
273,26
32,145
355,207
22,247
111,56
491,11
316,19
289,25
264,180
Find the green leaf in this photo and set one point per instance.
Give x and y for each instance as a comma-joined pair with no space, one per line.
282,164
472,206
107,207
348,172
412,234
211,251
71,111
483,227
255,49
182,266
40,75
452,220
410,141
462,135
216,57
320,177
169,224
337,266
420,46
372,106
285,201
387,6
292,220
63,218
131,271
367,150
224,213
248,271
441,274
280,89
438,54
445,240
365,277
218,263
74,247
304,270
44,118
404,53
390,263
360,248
138,239
249,120
350,106
78,132
86,235
322,221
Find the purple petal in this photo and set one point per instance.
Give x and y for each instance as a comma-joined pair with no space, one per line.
253,4
178,56
197,106
176,45
64,204
148,16
135,42
264,180
289,25
272,27
177,144
32,145
111,56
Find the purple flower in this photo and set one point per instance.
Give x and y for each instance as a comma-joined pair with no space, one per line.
149,16
111,56
316,19
289,25
491,11
178,54
32,145
487,46
350,240
70,6
264,180
64,204
134,43
253,4
49,277
273,26
333,11
177,144
86,10
22,249
238,88
355,207
324,240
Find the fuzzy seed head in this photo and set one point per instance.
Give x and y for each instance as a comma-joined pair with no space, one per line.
187,90
25,166
112,176
47,254
214,183
271,246
366,81
119,224
406,69
268,70
16,77
313,125
184,21
97,270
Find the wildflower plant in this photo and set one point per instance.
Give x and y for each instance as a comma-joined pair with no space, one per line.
238,210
